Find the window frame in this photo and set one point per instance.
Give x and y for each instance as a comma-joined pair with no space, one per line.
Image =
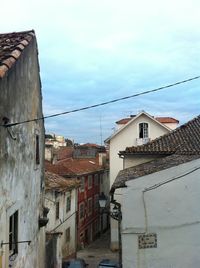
68,203
96,179
67,235
90,205
143,130
13,233
90,179
57,210
82,185
81,211
96,202
37,149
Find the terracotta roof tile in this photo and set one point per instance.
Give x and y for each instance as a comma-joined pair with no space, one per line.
149,168
58,183
164,120
11,47
74,167
183,140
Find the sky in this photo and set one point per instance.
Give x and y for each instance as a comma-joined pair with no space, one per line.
94,51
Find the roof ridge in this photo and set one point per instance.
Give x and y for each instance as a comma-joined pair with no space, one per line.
11,47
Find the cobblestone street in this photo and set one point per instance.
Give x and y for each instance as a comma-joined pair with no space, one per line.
98,250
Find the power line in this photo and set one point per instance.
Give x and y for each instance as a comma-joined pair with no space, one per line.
102,103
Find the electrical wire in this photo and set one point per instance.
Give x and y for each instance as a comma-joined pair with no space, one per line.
102,103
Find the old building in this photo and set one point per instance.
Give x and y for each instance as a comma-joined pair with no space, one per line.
135,130
21,153
61,236
88,165
163,197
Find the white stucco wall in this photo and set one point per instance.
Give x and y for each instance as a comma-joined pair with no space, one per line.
125,138
171,211
66,219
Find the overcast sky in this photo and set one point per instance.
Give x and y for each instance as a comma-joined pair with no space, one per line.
93,51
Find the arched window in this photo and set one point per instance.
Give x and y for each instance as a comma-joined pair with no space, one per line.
143,130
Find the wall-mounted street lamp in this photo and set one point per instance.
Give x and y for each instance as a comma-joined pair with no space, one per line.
116,214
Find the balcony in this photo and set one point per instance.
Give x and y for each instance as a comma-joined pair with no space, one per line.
141,141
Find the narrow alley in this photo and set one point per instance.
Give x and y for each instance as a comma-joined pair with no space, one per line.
97,251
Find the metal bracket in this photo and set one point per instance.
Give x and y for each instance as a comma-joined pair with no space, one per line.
18,242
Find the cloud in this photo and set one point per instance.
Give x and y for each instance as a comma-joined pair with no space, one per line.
94,51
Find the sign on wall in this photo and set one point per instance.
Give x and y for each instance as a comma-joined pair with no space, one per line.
147,241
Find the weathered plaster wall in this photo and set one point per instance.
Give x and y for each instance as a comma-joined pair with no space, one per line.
66,219
171,211
21,181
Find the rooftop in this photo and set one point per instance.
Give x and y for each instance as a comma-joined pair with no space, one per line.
183,140
11,47
177,147
58,183
74,167
163,120
135,172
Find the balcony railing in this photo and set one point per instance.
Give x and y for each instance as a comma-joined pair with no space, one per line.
141,141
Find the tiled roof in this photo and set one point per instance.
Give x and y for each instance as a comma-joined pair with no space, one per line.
123,121
60,170
149,168
74,167
58,183
132,119
183,140
78,166
11,47
162,120
165,120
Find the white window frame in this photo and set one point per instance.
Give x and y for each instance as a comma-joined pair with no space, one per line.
82,186
90,206
90,181
144,127
68,202
67,235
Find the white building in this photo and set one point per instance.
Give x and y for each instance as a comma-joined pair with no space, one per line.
55,140
61,199
133,131
162,197
22,238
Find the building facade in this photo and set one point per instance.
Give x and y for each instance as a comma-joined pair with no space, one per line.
21,153
61,233
133,131
162,196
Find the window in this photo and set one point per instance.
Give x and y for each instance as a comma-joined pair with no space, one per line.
101,178
81,211
82,186
96,202
67,235
13,233
90,181
96,179
90,204
68,203
57,210
37,150
143,130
